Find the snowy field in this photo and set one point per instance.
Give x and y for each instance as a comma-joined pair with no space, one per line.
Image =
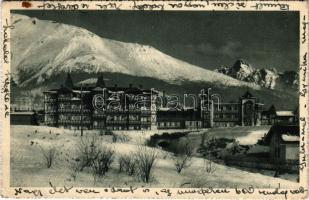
28,168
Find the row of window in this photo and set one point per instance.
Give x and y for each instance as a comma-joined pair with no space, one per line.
73,117
124,128
169,124
226,116
72,127
227,107
224,124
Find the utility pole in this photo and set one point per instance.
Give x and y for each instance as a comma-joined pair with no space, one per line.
81,110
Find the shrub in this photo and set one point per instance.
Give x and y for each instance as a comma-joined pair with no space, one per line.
183,153
91,154
74,167
101,164
123,138
87,150
145,159
49,155
209,166
127,164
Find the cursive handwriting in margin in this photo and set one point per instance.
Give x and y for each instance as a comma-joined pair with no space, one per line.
6,40
6,91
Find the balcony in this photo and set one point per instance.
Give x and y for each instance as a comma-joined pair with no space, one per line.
99,115
134,111
75,122
116,122
134,122
50,111
70,110
145,112
115,111
64,98
50,101
226,119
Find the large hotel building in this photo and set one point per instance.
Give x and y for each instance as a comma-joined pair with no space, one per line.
131,108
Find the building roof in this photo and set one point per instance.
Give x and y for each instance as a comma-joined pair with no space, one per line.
75,99
247,95
79,91
284,113
290,132
129,90
289,138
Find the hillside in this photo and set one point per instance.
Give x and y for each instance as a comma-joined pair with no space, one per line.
45,49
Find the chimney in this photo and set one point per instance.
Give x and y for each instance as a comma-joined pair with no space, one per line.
141,86
116,86
130,85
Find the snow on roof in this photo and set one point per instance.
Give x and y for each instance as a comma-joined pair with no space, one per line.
285,113
75,99
289,138
163,109
50,91
78,91
98,89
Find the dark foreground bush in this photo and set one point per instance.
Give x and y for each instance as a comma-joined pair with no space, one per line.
127,164
101,164
145,159
183,151
49,155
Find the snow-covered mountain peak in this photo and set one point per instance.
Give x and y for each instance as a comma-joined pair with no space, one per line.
269,78
44,49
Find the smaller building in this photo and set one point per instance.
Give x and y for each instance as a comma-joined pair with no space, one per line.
24,118
178,119
287,117
283,141
272,116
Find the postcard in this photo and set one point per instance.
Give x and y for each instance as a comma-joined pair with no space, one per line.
154,99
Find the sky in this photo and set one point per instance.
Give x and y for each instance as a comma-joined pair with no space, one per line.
206,39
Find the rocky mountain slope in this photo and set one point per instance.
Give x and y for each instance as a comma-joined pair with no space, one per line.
269,78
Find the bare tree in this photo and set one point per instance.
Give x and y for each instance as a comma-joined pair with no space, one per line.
127,164
91,153
145,159
183,151
49,155
87,150
101,164
209,166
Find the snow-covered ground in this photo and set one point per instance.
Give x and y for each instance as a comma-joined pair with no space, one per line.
28,169
252,137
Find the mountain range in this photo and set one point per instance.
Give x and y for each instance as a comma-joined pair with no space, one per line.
269,78
44,51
